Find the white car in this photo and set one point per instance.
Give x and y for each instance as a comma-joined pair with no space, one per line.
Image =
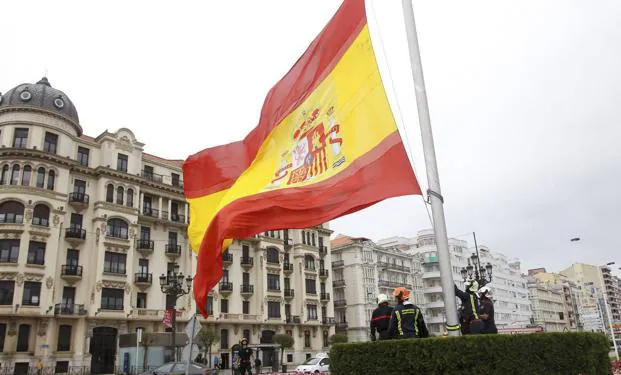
320,363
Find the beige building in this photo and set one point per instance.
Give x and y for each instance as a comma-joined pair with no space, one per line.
571,294
362,270
548,304
88,224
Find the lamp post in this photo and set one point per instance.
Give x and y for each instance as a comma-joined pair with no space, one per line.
474,270
172,285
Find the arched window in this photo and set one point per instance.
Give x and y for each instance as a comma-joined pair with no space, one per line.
120,192
51,178
117,228
15,175
272,255
4,180
41,215
110,193
309,262
130,197
26,175
11,212
41,178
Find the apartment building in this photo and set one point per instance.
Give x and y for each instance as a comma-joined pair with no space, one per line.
548,303
571,294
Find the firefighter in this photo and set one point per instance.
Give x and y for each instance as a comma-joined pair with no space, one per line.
380,320
470,304
486,310
245,356
407,319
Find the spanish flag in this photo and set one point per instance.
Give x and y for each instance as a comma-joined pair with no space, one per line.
326,145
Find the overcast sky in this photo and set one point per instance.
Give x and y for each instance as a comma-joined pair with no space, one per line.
525,98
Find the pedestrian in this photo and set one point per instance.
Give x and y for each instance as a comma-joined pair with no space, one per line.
245,358
406,319
486,311
380,320
470,304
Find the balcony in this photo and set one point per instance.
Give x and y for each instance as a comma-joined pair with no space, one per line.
227,259
150,176
247,290
338,283
338,263
273,289
325,297
143,279
145,246
391,284
246,262
225,287
289,293
69,309
328,321
323,273
340,303
79,201
172,250
431,275
71,272
310,268
323,251
341,325
150,212
177,218
75,235
293,319
287,267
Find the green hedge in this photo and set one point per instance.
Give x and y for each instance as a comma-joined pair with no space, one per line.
539,353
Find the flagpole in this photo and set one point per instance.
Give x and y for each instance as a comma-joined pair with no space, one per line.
433,193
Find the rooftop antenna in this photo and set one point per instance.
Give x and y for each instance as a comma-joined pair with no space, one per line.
45,74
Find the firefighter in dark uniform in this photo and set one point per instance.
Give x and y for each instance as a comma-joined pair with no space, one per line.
407,319
470,304
245,356
486,312
380,320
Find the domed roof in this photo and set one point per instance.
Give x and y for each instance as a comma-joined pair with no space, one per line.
42,95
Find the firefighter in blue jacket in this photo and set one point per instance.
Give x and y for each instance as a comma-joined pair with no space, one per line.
380,320
407,319
470,321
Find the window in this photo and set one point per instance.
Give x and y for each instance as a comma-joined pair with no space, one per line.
245,307
246,334
83,155
23,336
326,341
50,142
4,180
313,239
272,255
41,178
273,309
114,262
11,212
32,293
224,339
20,138
121,163
224,305
6,292
210,305
26,175
304,238
110,193
2,336
311,312
64,338
309,262
311,286
15,175
76,222
290,357
141,300
117,228
130,198
9,251
36,253
112,299
79,186
41,215
51,178
273,282
307,339
174,177
320,242
120,193
62,367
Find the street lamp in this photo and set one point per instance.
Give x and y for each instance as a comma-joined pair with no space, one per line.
173,285
474,269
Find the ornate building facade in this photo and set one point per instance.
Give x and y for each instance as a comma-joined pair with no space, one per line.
88,224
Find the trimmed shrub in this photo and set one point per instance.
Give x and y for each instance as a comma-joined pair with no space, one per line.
539,353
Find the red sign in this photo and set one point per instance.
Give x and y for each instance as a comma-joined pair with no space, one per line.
168,317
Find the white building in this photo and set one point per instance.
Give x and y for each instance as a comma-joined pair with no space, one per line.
510,295
362,270
87,223
548,304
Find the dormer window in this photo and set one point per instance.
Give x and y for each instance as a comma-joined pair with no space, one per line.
121,163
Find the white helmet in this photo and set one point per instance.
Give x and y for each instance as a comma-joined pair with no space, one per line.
381,298
485,290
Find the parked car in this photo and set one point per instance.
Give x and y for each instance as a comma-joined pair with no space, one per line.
178,368
317,364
